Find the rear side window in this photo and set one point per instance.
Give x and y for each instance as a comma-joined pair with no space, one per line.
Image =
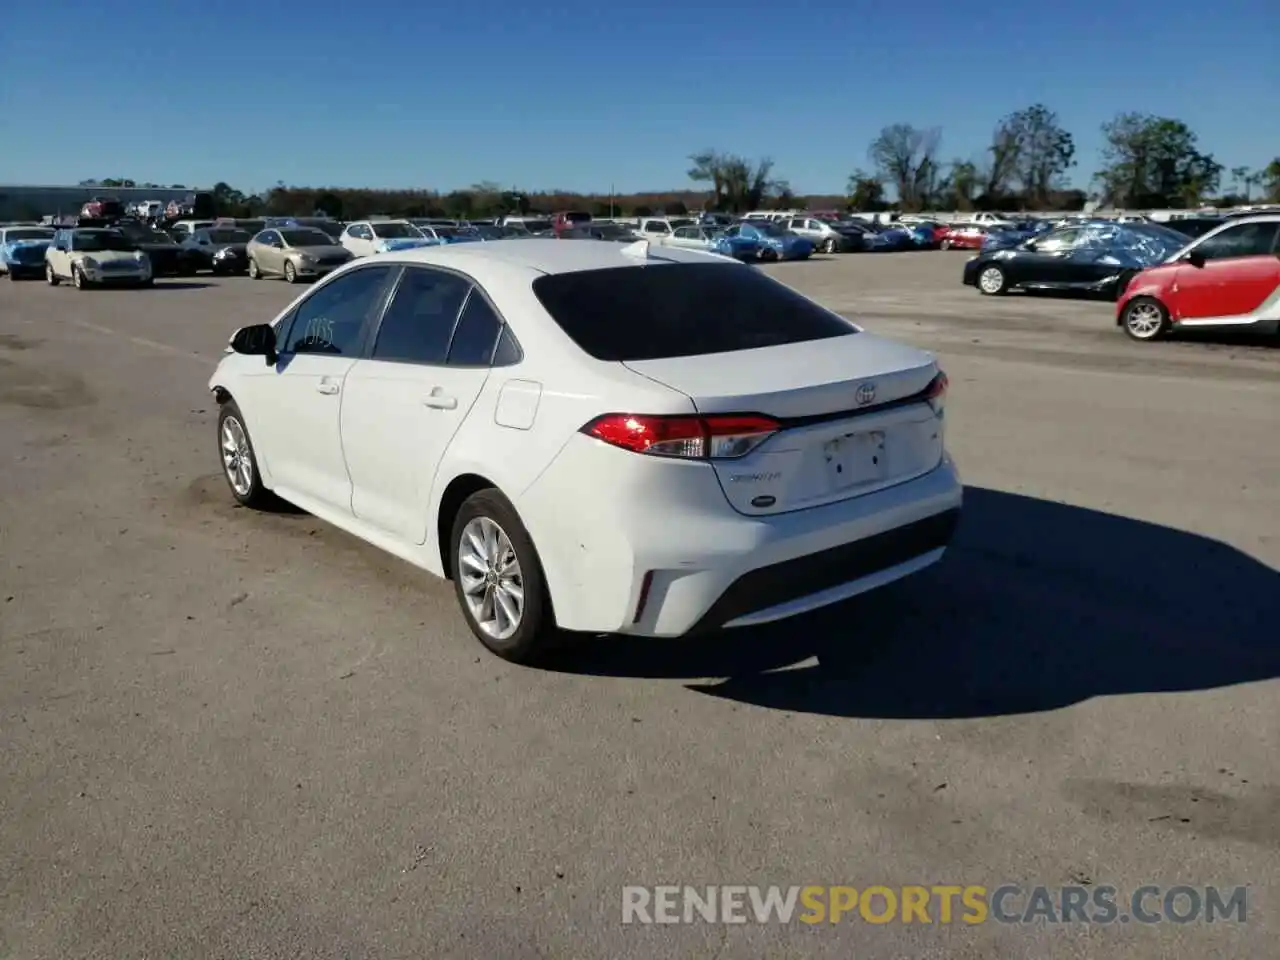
680,310
475,335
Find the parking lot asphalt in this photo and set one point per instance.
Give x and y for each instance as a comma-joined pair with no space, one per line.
229,734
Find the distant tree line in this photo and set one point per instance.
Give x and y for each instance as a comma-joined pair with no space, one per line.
1148,162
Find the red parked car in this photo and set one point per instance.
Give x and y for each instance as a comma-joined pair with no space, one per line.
569,220
960,236
102,208
1229,279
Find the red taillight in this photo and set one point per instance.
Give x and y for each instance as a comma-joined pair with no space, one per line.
690,438
936,393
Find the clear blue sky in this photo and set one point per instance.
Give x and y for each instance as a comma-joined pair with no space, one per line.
582,94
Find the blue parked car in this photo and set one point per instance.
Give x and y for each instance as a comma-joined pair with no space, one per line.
22,251
762,241
892,239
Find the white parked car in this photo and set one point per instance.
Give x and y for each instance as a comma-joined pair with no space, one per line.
660,229
95,257
722,452
693,237
367,237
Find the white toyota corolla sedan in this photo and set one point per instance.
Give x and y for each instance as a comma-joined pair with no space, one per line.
595,437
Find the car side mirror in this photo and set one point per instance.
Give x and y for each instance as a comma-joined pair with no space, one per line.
1195,258
258,340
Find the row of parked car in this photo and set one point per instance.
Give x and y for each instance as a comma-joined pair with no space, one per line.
1220,274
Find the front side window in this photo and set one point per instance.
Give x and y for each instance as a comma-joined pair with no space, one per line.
1058,242
1241,240
419,321
332,319
681,310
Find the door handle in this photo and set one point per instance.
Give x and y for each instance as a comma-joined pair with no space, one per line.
438,401
327,387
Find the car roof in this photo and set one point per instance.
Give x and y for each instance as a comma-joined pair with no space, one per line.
547,256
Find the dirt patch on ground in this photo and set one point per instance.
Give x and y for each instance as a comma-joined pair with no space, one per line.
38,389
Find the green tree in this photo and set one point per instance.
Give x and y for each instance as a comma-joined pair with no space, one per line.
1269,179
1242,181
1045,153
737,184
330,203
866,192
1154,161
906,158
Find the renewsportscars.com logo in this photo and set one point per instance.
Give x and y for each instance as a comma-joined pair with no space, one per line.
933,904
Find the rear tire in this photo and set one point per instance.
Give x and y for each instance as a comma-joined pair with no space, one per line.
50,277
831,246
1145,319
495,568
254,272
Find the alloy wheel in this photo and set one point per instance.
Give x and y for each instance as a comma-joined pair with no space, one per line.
237,459
991,280
491,579
1144,321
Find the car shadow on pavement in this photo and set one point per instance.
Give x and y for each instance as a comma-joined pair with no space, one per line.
1038,605
164,284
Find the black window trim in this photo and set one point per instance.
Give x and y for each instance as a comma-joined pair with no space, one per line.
473,287
363,342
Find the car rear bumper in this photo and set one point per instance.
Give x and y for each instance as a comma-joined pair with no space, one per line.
654,551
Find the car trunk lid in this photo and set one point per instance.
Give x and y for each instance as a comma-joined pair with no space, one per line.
852,413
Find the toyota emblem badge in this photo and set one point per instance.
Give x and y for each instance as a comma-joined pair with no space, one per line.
866,394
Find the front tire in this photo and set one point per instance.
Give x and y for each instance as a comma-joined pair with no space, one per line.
239,461
992,281
78,280
50,277
290,272
254,272
498,579
945,244
1145,319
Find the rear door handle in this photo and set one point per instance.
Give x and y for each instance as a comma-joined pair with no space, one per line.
327,387
437,400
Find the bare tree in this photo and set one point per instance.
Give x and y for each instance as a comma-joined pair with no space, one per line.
1005,153
906,157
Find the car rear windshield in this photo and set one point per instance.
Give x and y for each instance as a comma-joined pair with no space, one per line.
680,310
